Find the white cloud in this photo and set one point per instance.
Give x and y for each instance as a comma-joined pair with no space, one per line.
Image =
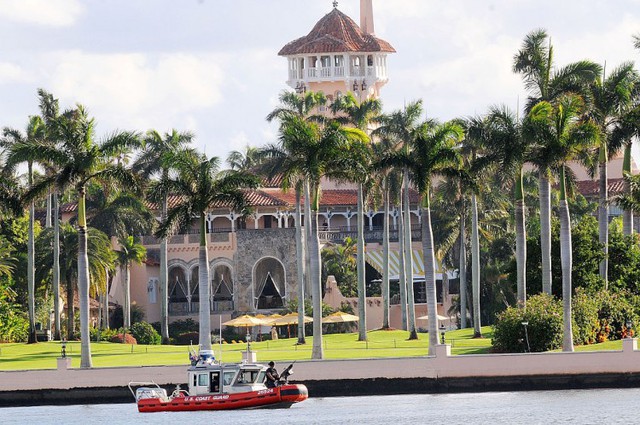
59,13
136,90
10,72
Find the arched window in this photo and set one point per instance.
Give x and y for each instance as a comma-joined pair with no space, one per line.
269,281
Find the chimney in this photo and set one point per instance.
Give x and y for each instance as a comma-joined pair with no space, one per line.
366,16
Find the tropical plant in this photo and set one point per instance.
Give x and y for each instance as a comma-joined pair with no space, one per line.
17,151
198,186
144,333
154,162
340,261
130,252
544,82
80,159
562,135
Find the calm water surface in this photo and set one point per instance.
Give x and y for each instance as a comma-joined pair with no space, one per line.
541,407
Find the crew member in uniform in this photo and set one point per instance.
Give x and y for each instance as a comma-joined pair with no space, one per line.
272,376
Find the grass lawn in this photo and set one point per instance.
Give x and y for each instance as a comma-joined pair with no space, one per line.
380,343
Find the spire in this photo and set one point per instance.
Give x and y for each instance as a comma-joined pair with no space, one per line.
335,4
366,16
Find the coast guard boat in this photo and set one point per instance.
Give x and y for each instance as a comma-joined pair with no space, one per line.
216,386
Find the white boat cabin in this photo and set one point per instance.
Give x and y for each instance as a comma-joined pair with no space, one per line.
207,379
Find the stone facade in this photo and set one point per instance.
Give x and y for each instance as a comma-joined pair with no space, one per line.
254,247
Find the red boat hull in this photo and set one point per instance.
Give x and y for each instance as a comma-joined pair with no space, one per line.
282,396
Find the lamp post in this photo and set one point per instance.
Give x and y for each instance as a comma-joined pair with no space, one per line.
526,335
442,339
63,348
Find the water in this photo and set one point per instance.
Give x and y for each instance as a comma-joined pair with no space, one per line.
611,406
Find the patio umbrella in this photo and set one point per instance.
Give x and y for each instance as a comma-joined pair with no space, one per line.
247,321
290,319
340,317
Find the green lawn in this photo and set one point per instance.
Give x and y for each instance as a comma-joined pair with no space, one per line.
336,346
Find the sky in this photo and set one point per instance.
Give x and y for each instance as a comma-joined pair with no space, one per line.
211,66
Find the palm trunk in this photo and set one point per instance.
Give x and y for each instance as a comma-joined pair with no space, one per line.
408,260
126,313
83,282
56,268
463,267
385,258
430,274
402,277
317,352
566,261
521,243
603,216
627,218
48,219
164,282
545,230
300,239
475,267
70,310
360,267
203,288
105,301
31,275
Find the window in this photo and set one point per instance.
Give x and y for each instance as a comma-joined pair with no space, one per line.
339,61
203,380
326,61
228,377
247,376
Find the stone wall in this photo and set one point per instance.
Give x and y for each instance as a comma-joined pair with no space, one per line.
254,246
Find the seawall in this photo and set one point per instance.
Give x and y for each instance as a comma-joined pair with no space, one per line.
433,374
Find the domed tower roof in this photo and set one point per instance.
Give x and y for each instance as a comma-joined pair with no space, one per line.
336,32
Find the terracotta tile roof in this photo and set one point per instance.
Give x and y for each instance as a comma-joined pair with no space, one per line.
589,188
336,32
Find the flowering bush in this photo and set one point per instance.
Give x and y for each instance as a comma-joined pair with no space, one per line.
124,338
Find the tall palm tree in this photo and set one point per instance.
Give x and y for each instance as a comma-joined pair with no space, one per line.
403,126
244,161
508,150
154,162
17,144
349,111
129,252
199,185
559,128
432,153
535,62
612,98
80,160
50,111
282,160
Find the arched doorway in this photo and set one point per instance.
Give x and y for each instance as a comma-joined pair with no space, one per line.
269,284
222,288
178,291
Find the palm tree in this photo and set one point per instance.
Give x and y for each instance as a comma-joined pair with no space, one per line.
100,258
199,185
557,126
349,111
612,98
244,161
508,150
129,252
153,162
403,127
17,145
432,153
6,258
284,161
535,62
80,160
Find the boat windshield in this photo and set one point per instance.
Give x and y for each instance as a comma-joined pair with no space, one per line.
247,376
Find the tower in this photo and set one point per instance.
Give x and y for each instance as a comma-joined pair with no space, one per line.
339,56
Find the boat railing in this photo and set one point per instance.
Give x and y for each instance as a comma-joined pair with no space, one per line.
152,392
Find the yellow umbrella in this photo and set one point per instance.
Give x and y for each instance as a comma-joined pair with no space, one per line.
340,317
290,319
246,320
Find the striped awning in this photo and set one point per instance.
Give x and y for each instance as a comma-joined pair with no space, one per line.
374,258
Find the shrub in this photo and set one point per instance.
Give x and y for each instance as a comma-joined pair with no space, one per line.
105,334
182,326
544,329
144,333
123,338
586,325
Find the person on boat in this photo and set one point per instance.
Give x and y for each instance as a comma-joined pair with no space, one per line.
272,375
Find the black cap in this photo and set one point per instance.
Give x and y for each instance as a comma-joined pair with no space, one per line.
272,364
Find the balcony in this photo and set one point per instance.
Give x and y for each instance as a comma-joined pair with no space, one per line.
185,308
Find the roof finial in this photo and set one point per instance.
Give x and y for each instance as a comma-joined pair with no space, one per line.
335,4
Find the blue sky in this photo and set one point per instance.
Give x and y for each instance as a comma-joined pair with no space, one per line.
211,66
